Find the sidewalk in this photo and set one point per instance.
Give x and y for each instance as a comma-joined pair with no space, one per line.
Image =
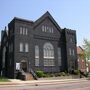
39,82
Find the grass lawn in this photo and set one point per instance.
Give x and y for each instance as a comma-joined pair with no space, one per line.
3,79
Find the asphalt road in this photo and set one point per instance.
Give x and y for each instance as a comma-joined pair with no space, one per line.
79,85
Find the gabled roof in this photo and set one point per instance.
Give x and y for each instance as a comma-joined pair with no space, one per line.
79,50
47,14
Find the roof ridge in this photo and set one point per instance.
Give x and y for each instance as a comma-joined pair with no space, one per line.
23,19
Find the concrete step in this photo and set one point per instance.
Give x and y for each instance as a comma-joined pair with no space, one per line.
29,76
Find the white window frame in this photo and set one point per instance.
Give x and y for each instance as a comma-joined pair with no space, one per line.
21,30
47,29
26,31
36,55
48,52
36,61
26,47
52,30
43,28
59,56
73,52
21,47
70,51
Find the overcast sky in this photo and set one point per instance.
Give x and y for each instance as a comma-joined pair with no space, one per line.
72,14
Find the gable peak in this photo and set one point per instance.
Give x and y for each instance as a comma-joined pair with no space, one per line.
48,14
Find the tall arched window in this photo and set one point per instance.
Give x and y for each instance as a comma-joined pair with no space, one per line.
48,51
59,56
36,55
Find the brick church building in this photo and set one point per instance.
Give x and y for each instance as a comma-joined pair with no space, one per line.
37,45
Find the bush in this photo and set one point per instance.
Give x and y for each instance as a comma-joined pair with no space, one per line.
52,75
76,72
48,75
56,74
63,73
68,74
44,75
40,73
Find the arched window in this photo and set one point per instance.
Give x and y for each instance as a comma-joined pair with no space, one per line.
59,56
48,51
36,55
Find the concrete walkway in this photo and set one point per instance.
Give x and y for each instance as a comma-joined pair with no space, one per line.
40,82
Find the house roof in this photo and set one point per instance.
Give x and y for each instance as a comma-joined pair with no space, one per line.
30,21
79,50
47,14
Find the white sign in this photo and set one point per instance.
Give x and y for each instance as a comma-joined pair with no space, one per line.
17,66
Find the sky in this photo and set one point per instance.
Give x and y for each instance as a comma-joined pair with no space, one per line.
72,14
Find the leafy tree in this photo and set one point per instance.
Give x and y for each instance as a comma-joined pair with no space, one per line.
86,48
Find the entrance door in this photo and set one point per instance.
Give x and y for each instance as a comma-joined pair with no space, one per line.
23,66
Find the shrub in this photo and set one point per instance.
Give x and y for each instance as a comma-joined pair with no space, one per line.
52,75
68,74
59,74
44,75
40,73
63,73
47,75
56,74
76,72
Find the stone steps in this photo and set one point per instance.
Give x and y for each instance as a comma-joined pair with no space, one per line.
29,76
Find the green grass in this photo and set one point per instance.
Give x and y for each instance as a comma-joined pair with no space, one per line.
3,79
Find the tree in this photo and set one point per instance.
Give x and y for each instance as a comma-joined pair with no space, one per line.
86,48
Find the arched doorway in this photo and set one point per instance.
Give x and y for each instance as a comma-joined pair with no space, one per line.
23,65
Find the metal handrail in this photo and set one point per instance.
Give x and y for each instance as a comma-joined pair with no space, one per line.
33,73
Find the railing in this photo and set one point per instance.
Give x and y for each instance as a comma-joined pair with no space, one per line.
33,73
21,75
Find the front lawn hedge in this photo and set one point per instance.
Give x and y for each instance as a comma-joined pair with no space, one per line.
40,73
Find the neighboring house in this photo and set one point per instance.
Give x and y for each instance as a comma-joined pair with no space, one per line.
88,65
0,59
39,45
4,50
82,65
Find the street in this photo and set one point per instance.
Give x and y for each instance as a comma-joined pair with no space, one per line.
68,85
